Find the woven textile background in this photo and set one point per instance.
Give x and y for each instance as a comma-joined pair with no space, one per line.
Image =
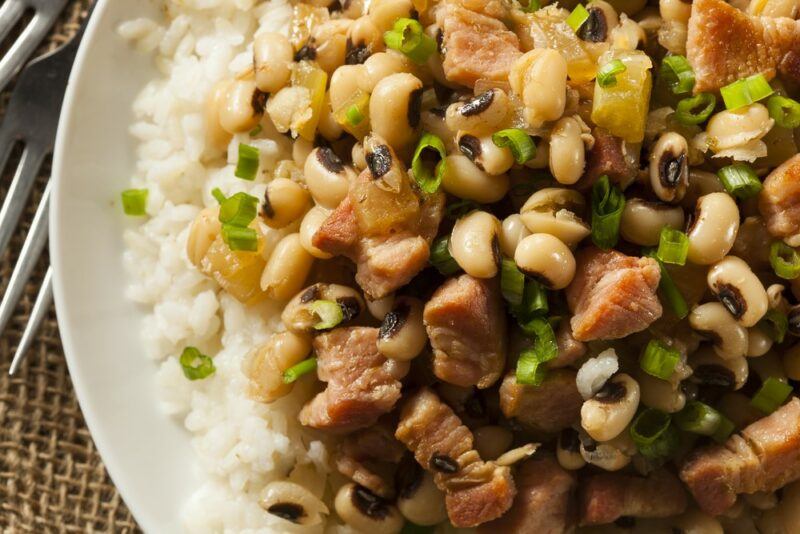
51,477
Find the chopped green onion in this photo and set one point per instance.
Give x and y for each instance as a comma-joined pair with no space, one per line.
195,364
740,180
607,75
533,5
578,16
292,374
785,111
678,74
441,258
534,302
238,238
247,165
329,312
530,370
654,435
134,202
407,36
238,210
607,205
785,260
428,164
698,418
745,91
695,109
257,130
724,429
772,394
659,360
512,282
775,324
518,141
669,291
354,115
218,194
673,246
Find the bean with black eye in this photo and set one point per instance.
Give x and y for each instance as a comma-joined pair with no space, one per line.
486,155
568,450
539,77
714,320
739,290
364,511
382,65
327,177
465,180
602,19
272,58
669,167
556,211
421,501
660,394
298,315
395,107
643,220
402,335
293,503
567,151
606,415
512,231
609,456
713,229
285,202
344,84
481,115
474,244
710,369
547,259
242,107
265,365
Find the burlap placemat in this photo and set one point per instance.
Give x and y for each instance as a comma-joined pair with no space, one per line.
51,477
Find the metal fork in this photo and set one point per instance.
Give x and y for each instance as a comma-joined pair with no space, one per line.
32,119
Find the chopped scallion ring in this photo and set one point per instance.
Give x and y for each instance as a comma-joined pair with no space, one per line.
329,312
678,74
785,260
695,109
257,130
238,210
530,370
534,302
428,164
518,141
607,205
740,180
673,246
354,115
772,394
785,111
698,418
724,429
407,36
247,165
218,194
607,75
775,324
441,258
238,238
745,91
659,360
134,202
654,435
512,282
578,16
195,364
292,374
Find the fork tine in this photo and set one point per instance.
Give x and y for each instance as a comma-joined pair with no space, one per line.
28,256
17,194
24,46
10,13
39,312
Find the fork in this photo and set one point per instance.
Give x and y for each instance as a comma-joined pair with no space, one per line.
32,118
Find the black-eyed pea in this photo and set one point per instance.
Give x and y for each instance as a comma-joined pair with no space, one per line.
465,180
384,13
204,231
327,177
344,84
474,244
285,202
713,230
364,39
421,501
217,137
669,166
483,114
539,77
300,313
364,511
556,211
643,220
293,503
602,20
567,151
486,155
492,441
379,308
759,342
301,148
381,65
359,157
395,107
710,369
675,10
609,456
328,127
739,290
312,222
568,450
713,320
287,268
610,411
512,231
272,59
402,335
660,394
243,106
330,39
266,364
547,259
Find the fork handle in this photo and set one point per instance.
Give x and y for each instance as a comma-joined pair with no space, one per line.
18,193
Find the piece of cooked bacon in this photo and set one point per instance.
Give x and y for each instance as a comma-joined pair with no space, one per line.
545,409
725,44
779,200
368,456
475,491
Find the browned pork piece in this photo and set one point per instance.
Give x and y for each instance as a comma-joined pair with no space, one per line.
544,502
475,491
545,409
605,497
368,457
362,383
466,324
570,349
725,44
779,200
476,44
612,295
764,456
606,157
386,229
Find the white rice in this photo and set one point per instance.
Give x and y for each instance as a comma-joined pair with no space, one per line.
240,445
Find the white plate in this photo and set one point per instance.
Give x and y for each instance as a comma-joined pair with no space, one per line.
147,454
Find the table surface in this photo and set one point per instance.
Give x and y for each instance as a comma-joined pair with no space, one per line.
51,476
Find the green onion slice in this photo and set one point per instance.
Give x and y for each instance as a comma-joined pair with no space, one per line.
698,418
512,282
607,205
669,290
134,202
724,430
695,109
292,374
607,75
775,324
745,91
518,141
534,302
654,435
678,74
772,394
441,258
659,360
429,164
407,36
238,210
329,312
785,111
247,165
195,364
673,246
578,16
530,370
353,115
218,194
533,5
238,238
257,130
785,260
740,180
